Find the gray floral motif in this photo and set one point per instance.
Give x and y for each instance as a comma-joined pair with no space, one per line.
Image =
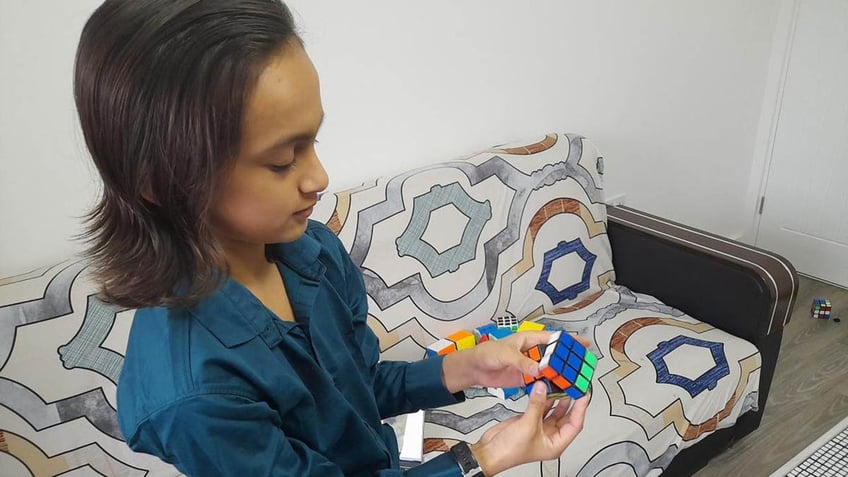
467,425
411,243
55,303
627,453
40,415
85,350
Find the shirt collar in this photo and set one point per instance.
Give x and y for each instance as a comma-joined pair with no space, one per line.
234,316
301,256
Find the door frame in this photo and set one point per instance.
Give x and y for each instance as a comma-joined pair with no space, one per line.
775,85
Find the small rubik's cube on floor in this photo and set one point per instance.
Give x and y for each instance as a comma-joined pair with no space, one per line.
820,309
566,367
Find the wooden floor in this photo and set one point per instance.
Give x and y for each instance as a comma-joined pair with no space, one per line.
809,393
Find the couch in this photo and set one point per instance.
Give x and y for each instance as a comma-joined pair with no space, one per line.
687,324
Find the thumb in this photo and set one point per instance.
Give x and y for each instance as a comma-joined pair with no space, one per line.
536,404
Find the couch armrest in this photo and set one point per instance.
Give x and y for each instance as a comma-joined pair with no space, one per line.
743,290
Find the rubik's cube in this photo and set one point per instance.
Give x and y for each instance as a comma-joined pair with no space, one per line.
460,340
530,326
463,339
820,309
440,347
508,321
483,333
565,366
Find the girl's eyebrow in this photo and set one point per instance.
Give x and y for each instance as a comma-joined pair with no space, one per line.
288,140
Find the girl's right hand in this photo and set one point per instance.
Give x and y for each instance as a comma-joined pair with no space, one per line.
531,437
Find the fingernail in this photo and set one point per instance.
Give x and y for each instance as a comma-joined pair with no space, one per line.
538,388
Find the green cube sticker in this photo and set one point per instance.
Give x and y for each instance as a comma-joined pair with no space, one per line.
582,384
587,370
591,359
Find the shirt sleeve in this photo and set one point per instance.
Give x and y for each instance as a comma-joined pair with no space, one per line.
400,387
226,435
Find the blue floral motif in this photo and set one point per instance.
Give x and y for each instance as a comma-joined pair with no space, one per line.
708,380
570,292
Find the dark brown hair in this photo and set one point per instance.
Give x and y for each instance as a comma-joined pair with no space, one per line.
161,87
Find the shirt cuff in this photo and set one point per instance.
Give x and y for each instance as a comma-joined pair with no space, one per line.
424,386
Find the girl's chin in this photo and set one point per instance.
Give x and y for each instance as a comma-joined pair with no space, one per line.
294,230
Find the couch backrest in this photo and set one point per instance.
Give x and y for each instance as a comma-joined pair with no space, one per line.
515,230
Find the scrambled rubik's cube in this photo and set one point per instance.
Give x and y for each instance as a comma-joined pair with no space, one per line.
820,309
565,366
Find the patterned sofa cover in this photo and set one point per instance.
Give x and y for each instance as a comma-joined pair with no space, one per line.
520,229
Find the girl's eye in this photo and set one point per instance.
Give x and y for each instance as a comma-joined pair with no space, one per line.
279,169
298,150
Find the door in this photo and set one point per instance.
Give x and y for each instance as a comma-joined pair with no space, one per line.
805,207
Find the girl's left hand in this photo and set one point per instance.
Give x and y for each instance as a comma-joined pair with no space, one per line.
495,363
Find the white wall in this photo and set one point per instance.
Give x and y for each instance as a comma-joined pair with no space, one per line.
45,181
670,90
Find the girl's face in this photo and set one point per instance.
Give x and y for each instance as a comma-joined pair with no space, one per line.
269,193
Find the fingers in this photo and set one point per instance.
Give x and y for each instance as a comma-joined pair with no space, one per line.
528,366
549,404
515,360
529,339
533,338
524,341
559,411
572,423
537,403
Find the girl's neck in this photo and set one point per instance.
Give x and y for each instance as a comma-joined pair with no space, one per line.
248,263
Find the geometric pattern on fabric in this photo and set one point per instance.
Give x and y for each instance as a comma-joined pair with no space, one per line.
635,455
634,426
85,351
33,459
411,243
57,379
412,268
629,365
555,208
694,386
570,292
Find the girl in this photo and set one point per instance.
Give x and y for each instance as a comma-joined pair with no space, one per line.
250,354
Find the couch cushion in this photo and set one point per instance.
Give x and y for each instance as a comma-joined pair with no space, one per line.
519,229
664,381
61,351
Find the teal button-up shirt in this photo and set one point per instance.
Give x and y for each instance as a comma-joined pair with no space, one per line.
226,388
